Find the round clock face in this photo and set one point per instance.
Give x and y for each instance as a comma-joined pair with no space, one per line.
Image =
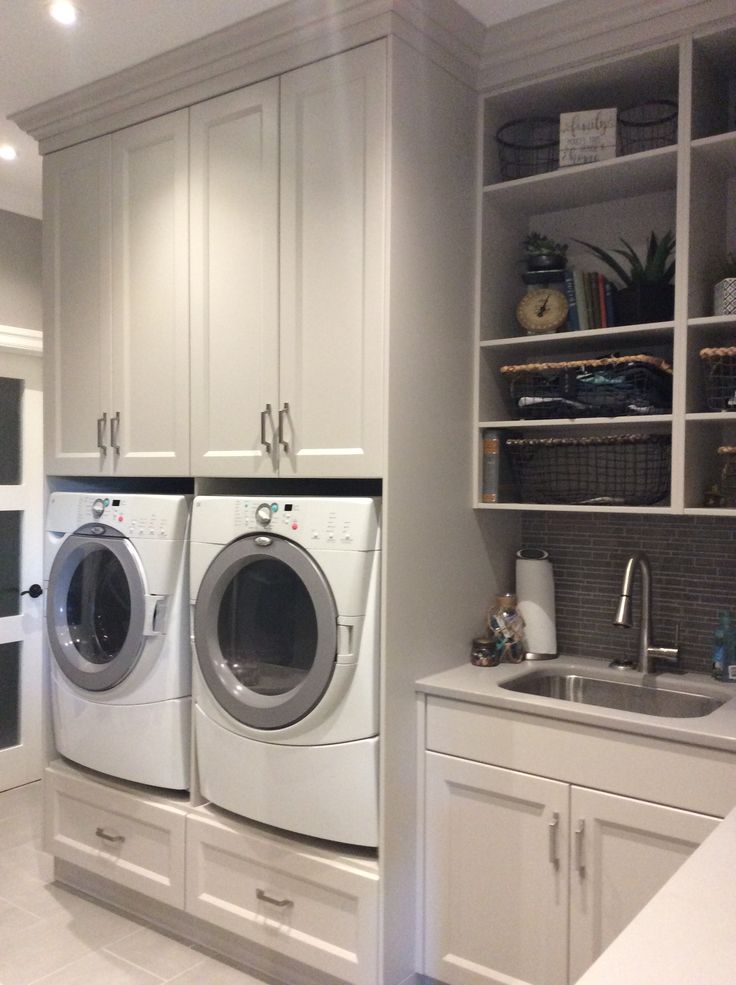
542,310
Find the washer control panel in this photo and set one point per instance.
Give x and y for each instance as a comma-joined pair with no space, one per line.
135,515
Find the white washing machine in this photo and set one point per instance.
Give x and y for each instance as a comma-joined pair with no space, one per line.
286,597
117,626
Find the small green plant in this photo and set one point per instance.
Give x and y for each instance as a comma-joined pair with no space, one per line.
655,268
536,245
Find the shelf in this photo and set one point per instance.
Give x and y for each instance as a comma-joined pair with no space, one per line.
585,184
713,417
573,423
565,508
716,511
719,151
655,334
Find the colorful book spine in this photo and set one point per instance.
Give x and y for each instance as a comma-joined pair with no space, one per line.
579,281
602,300
573,321
610,309
589,302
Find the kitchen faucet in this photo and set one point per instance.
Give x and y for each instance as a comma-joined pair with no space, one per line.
648,653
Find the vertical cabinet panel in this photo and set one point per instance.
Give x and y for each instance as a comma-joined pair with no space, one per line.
77,311
496,883
333,147
150,367
234,281
624,853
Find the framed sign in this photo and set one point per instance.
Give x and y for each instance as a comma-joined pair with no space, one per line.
587,136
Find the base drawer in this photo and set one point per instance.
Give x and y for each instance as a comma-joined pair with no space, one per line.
308,903
128,836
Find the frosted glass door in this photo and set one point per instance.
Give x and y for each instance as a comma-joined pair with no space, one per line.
20,567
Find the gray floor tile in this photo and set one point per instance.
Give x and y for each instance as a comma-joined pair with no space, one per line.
213,972
158,953
100,968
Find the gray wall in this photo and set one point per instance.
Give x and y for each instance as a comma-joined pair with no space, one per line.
694,577
20,271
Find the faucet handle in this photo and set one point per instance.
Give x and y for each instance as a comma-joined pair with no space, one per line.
667,657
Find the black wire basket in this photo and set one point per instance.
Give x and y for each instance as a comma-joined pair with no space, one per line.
719,377
527,147
615,386
606,470
647,126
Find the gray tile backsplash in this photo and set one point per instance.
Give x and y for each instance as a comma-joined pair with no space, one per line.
693,574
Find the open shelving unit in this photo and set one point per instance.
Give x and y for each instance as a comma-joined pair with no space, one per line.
688,187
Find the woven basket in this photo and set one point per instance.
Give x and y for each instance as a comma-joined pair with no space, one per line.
611,387
528,147
621,469
719,377
647,126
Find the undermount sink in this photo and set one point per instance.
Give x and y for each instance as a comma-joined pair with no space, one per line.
621,695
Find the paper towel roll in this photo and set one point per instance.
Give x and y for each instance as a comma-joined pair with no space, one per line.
535,592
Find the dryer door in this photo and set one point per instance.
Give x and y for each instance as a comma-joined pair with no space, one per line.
95,607
265,631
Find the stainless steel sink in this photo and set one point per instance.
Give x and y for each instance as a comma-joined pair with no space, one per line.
622,695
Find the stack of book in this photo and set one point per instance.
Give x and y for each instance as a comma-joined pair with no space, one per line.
590,298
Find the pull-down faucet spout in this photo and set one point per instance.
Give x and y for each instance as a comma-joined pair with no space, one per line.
648,653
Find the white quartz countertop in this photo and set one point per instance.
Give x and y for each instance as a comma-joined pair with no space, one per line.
685,935
483,685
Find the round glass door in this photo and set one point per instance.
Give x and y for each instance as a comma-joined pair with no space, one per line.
95,609
265,631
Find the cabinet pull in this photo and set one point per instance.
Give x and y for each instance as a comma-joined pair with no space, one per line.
282,414
101,427
264,414
116,839
265,898
553,827
579,856
114,429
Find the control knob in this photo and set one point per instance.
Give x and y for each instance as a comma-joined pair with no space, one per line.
98,508
263,514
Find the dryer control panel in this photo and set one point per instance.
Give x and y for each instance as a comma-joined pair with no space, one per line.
138,516
333,523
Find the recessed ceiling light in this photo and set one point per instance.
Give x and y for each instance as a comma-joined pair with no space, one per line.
63,11
8,152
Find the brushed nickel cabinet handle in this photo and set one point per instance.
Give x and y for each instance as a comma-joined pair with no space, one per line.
553,827
265,898
579,839
264,414
114,431
282,414
116,839
101,427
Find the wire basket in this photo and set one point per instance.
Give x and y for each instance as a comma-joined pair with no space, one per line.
615,386
647,126
719,375
608,470
727,454
527,147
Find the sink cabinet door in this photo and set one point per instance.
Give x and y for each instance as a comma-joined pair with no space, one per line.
496,877
622,852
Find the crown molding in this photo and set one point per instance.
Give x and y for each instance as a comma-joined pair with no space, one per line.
293,34
22,341
572,33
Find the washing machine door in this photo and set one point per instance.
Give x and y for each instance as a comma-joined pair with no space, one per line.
265,631
95,607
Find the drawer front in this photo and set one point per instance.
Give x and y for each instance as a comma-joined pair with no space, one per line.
122,836
308,905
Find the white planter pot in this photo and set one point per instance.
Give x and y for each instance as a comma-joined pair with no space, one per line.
724,297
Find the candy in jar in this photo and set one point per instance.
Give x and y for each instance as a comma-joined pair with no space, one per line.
506,626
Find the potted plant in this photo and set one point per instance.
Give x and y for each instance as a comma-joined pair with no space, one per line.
647,294
724,291
543,253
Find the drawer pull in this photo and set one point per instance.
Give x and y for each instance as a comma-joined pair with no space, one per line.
116,839
264,897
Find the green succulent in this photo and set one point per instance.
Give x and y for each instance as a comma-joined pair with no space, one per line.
536,244
655,268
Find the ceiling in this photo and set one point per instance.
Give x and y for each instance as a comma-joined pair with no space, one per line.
42,59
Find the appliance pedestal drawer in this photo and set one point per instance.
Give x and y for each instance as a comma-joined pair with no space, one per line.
128,835
310,902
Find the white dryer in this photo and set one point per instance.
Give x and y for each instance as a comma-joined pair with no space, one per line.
117,627
286,596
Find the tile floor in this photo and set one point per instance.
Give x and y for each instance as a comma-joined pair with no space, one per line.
49,935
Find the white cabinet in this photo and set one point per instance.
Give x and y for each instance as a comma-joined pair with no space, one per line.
287,206
132,838
312,904
510,858
116,256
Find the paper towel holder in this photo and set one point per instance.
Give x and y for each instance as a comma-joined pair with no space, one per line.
547,652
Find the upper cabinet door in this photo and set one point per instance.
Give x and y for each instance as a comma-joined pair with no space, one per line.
333,166
150,289
76,250
234,281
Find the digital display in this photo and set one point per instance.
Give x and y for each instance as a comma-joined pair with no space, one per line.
287,507
116,502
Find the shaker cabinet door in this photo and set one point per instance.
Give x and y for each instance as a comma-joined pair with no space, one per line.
234,281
